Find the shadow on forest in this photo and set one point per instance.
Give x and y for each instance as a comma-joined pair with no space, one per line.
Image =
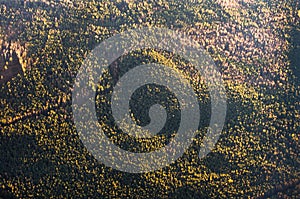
294,54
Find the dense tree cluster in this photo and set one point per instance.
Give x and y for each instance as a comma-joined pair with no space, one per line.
250,41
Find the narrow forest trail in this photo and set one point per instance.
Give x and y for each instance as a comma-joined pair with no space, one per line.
48,106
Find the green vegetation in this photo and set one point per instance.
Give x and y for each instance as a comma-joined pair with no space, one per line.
254,44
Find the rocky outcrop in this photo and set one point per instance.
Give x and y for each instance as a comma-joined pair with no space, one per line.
13,60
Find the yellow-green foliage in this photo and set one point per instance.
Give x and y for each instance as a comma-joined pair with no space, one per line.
42,155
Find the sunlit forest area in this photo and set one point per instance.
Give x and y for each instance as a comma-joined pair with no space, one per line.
255,45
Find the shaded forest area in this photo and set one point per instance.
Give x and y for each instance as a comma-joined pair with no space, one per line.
255,45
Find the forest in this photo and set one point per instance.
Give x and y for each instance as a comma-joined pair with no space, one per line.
254,44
